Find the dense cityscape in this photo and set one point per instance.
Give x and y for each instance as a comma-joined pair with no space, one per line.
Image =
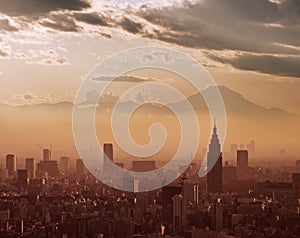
51,198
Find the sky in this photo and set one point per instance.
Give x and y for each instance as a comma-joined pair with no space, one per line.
48,47
250,46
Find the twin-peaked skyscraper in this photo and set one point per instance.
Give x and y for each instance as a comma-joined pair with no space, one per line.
214,164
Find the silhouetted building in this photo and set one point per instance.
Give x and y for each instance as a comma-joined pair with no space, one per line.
242,162
177,213
298,166
233,148
121,165
296,181
229,174
251,148
143,166
22,177
11,164
30,167
168,193
214,164
64,164
108,151
80,168
50,167
191,193
46,154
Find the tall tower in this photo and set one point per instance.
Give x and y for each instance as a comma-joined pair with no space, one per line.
11,164
108,151
64,164
214,164
29,164
46,154
242,162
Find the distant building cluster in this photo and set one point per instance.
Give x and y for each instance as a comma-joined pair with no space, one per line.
60,198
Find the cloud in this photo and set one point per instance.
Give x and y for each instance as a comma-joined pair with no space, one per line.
131,26
268,64
34,8
29,98
58,61
61,22
3,54
254,26
92,18
123,79
6,26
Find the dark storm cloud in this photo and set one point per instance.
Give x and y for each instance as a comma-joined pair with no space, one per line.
31,8
131,26
61,22
6,26
254,26
92,18
267,64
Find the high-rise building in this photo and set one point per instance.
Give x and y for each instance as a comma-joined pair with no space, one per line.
214,164
168,193
11,164
177,213
80,169
30,167
298,166
46,154
296,181
233,148
49,166
251,149
143,165
108,151
22,177
64,164
242,162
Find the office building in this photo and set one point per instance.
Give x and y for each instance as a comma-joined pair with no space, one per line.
108,151
251,149
49,167
30,167
177,212
214,164
64,164
80,168
143,165
242,162
296,181
46,154
11,164
168,193
22,177
298,166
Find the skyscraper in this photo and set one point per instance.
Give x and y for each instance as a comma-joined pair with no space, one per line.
251,148
11,164
108,151
46,154
22,177
29,164
214,164
298,166
80,169
64,164
242,162
177,215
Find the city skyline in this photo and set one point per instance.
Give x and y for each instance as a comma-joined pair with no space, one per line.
149,119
